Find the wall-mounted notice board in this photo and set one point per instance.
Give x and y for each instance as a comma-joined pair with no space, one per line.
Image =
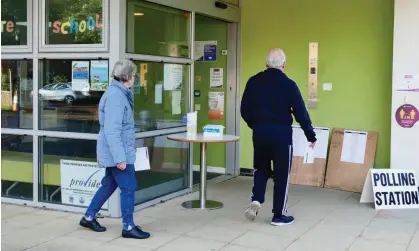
351,155
309,165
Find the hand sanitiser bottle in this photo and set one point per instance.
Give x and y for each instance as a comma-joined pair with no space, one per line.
191,123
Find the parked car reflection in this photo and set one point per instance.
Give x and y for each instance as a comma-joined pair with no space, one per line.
62,92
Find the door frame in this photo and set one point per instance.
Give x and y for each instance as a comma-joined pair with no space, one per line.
232,102
233,99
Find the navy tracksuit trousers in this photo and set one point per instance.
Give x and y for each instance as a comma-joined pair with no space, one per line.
280,154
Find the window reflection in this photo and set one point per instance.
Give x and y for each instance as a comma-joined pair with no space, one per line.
69,94
16,94
14,30
53,152
16,166
167,29
74,21
168,171
160,95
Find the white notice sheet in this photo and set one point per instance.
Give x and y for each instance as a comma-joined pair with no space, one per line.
176,100
301,145
299,142
173,76
158,94
322,135
80,76
216,78
354,146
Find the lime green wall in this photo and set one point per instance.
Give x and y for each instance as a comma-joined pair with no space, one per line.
355,55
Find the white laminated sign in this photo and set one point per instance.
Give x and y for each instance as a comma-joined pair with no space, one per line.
391,189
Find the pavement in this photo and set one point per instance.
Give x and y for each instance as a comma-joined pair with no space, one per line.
326,220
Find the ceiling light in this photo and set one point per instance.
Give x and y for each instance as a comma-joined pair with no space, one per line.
138,14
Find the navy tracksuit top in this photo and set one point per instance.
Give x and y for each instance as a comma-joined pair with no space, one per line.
269,100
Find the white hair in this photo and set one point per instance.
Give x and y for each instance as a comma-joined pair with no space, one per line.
276,58
124,70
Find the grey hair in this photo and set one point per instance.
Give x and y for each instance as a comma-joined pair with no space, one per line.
124,70
275,59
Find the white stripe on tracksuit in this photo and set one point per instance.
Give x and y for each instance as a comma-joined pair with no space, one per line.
251,193
285,207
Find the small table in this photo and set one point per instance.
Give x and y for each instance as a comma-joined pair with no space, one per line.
203,203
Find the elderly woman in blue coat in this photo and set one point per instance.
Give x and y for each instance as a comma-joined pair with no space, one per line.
116,151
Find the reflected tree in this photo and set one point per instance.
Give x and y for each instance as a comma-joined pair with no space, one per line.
75,12
15,12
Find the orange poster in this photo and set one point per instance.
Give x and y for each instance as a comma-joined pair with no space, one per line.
216,105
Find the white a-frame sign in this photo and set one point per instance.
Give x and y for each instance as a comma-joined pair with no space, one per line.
391,189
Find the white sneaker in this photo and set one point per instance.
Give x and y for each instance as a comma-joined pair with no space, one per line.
252,210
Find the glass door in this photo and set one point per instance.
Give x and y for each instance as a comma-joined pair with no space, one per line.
160,95
211,92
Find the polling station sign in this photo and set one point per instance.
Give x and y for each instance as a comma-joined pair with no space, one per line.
391,189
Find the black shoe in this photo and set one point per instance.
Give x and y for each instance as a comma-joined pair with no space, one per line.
282,220
135,233
92,225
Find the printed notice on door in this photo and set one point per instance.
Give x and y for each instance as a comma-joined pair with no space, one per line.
216,77
80,180
216,105
205,50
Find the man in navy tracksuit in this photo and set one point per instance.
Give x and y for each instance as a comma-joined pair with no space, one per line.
269,100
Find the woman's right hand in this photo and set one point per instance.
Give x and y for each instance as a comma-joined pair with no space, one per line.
121,166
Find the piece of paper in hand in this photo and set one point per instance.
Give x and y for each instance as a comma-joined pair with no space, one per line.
309,155
142,163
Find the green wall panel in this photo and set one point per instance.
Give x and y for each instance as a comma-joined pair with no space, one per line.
355,55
